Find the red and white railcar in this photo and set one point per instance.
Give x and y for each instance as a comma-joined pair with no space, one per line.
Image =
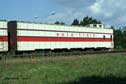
26,36
3,36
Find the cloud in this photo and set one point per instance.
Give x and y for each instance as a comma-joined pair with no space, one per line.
108,11
70,10
112,11
67,15
96,8
74,3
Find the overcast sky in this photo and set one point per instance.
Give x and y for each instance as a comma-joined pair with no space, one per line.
110,12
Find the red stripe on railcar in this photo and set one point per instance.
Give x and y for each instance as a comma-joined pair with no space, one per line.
60,39
3,38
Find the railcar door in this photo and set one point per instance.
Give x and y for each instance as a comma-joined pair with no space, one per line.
112,43
12,33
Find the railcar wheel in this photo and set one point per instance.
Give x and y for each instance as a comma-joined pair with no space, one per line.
0,58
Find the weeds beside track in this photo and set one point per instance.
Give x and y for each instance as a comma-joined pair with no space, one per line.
77,69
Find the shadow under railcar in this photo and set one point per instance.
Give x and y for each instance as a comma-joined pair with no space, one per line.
99,80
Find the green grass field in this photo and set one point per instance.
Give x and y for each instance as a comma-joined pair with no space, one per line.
89,69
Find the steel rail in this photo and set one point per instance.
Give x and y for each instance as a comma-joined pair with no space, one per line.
71,53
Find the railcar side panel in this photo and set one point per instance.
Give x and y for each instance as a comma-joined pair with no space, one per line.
25,46
32,36
3,36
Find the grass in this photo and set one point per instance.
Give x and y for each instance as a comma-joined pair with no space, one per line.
89,69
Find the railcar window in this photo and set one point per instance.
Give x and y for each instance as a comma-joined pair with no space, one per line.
111,37
93,35
100,26
104,37
95,25
87,35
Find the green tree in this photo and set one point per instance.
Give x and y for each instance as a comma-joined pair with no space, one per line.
85,21
59,23
112,27
118,38
124,37
62,23
75,22
89,20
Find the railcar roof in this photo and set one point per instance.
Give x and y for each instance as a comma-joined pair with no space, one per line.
3,20
58,24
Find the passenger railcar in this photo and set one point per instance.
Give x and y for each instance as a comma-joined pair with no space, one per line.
3,36
16,36
25,36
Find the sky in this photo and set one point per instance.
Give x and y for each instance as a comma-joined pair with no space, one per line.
110,12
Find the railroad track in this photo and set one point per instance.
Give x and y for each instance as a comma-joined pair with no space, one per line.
71,53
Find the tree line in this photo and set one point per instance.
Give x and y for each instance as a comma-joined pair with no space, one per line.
119,38
119,33
85,21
